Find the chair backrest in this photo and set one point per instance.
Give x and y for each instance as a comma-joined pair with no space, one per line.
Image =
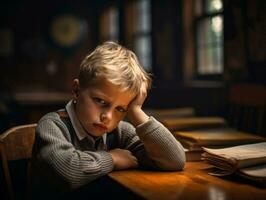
247,104
15,144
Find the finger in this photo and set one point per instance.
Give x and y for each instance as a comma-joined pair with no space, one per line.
145,86
133,164
135,160
136,164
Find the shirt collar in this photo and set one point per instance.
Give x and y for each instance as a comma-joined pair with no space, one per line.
80,132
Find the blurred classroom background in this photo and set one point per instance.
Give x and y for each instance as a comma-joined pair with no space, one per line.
197,50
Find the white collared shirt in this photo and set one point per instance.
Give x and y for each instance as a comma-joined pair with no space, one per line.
79,130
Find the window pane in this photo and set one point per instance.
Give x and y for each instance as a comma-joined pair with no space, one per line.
143,11
141,37
113,23
210,60
210,30
213,6
143,51
210,45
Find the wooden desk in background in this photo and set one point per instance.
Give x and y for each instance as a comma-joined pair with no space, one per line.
192,183
34,104
190,123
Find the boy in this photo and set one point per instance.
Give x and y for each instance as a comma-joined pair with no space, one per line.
88,139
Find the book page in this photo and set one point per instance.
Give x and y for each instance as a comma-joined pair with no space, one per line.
256,171
243,155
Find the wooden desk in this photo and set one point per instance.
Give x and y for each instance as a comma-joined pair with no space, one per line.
192,183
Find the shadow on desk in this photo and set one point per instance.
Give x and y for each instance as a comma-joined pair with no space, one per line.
102,188
234,178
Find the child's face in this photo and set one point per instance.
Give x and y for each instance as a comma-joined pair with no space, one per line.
101,106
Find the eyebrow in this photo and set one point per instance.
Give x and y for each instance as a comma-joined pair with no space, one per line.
102,95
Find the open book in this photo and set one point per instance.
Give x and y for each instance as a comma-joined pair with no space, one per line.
247,160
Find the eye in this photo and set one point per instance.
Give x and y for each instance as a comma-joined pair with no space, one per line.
120,109
100,101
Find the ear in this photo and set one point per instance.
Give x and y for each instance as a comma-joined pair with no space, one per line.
75,88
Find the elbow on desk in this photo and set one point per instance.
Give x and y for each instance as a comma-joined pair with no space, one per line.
174,163
172,166
179,163
178,160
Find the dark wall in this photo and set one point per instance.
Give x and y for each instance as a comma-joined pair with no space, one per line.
245,41
244,55
35,62
32,61
167,40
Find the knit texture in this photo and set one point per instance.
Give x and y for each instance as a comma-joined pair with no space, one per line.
61,162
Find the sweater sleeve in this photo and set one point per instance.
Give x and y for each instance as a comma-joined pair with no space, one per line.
156,143
74,167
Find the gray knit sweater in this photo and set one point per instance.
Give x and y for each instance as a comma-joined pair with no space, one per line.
62,161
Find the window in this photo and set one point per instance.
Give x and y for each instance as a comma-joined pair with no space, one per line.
209,37
142,44
109,24
138,26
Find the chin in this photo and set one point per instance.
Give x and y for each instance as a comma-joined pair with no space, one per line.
94,134
97,133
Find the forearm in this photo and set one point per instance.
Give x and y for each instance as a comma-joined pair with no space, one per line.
75,167
161,146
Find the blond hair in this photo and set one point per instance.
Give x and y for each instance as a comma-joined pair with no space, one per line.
116,64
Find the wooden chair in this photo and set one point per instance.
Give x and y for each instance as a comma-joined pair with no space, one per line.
15,144
247,107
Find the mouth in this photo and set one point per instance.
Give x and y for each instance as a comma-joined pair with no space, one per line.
100,127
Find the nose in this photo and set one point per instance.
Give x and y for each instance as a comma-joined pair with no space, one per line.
106,116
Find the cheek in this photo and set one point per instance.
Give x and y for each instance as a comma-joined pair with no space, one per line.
116,118
87,108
